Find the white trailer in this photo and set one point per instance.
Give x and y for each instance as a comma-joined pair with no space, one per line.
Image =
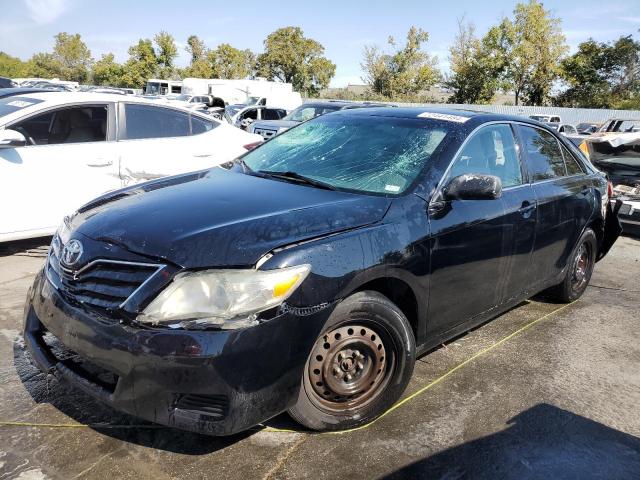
157,86
248,92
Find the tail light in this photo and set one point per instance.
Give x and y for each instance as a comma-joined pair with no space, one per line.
251,146
584,148
609,189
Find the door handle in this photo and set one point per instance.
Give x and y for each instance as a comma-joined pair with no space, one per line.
526,208
100,163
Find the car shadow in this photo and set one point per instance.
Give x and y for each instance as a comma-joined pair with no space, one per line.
86,410
542,442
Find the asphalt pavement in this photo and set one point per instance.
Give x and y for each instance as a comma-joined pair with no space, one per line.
543,391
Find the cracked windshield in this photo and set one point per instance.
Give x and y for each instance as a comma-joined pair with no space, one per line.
354,152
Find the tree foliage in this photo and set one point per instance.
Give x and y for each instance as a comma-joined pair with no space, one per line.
12,67
532,46
73,57
603,75
403,72
291,57
107,71
475,69
229,62
44,65
141,66
166,53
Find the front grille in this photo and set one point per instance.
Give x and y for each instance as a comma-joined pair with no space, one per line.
103,284
265,133
214,406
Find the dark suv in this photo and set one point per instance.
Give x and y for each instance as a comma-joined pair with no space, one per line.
307,275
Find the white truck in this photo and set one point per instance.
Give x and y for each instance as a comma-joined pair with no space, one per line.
246,92
157,86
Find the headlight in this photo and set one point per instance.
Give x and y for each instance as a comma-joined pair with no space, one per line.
222,298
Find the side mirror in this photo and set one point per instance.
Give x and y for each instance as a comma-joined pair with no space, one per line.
12,139
473,186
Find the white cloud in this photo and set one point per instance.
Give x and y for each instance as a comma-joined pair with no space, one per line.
43,12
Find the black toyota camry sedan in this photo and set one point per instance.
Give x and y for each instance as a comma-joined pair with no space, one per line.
307,275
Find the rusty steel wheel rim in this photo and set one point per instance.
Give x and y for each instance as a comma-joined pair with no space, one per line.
581,266
348,368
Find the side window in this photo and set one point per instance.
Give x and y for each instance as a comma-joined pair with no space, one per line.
252,113
144,121
573,167
543,154
272,114
68,125
200,125
491,151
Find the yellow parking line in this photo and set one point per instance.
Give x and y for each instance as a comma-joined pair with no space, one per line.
341,432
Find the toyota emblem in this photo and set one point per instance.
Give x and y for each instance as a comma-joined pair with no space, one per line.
71,252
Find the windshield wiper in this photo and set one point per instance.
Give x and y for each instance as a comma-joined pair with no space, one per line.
296,177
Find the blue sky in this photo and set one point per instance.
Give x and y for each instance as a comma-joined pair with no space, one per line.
343,27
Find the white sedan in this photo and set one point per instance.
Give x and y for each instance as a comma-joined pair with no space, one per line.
59,150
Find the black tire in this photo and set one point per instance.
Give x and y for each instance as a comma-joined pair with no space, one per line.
579,269
358,367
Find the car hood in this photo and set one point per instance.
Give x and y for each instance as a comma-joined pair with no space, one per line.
220,217
276,124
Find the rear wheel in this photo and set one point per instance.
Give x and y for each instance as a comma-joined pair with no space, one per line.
579,270
358,367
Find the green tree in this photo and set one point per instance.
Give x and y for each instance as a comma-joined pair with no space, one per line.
291,57
475,71
12,67
73,56
196,48
200,66
107,71
166,53
229,62
44,65
404,72
141,66
602,75
532,45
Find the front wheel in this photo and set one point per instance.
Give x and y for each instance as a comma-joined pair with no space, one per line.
358,367
580,268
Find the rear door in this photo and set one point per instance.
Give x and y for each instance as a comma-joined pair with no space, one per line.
71,161
479,247
564,194
156,141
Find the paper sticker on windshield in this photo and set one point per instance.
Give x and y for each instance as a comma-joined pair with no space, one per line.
392,188
19,103
444,116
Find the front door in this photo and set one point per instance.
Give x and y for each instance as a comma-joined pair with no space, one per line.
69,162
478,245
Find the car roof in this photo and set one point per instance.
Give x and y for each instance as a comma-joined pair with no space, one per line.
12,91
340,104
54,99
59,98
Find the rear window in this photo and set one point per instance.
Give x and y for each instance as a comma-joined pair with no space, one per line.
543,153
145,121
14,103
358,153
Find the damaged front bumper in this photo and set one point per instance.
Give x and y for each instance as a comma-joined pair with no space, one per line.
211,382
